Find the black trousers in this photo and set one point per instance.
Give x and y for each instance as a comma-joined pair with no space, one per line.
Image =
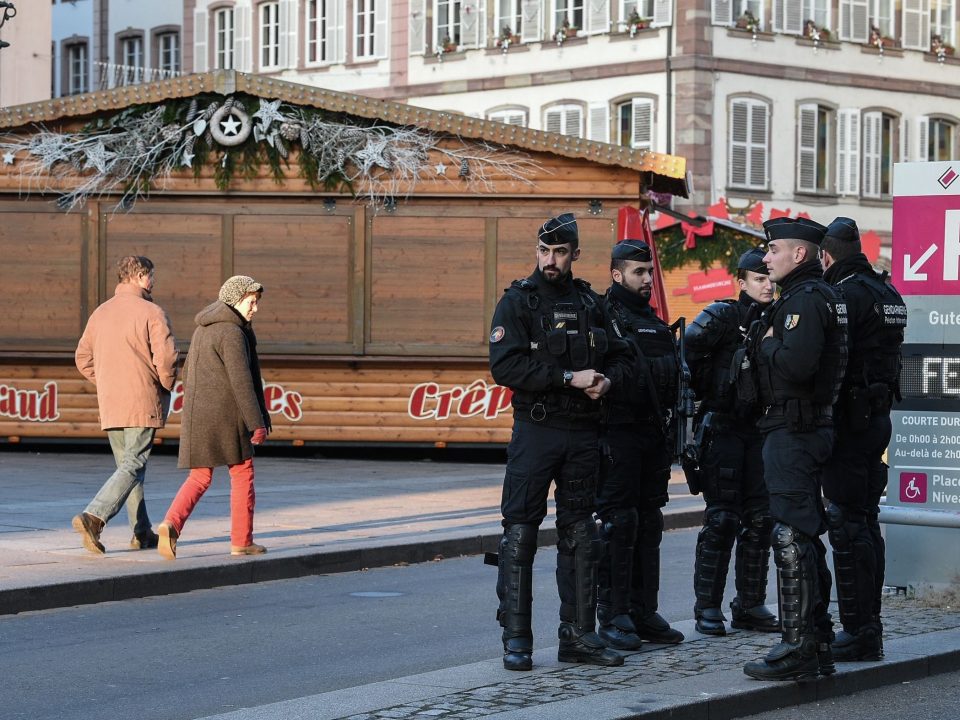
732,466
539,456
636,469
792,468
855,476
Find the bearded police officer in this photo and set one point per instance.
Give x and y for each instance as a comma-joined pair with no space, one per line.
730,462
799,363
856,476
554,346
637,460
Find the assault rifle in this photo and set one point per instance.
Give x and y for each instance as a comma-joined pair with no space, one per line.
685,408
741,368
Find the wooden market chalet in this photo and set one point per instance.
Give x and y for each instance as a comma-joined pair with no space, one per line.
379,284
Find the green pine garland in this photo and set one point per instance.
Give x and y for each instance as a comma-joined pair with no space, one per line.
723,248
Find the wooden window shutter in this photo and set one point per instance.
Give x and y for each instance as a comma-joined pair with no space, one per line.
554,121
855,20
418,27
337,31
807,149
759,124
788,16
872,155
288,33
471,23
922,151
200,64
531,20
662,13
642,124
600,123
848,152
381,36
243,40
916,24
739,152
573,122
721,12
598,16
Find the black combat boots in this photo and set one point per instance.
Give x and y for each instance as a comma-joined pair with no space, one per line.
756,618
581,646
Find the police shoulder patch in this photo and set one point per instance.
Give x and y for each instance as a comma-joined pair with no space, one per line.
496,335
616,328
791,321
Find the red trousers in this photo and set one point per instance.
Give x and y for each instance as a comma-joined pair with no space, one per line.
242,500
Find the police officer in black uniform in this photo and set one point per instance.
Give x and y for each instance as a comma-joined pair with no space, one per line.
799,362
552,344
730,463
856,476
637,460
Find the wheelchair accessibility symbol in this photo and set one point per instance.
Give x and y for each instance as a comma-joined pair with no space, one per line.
913,487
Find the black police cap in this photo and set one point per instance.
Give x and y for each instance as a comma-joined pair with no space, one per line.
559,230
632,250
843,228
794,229
752,260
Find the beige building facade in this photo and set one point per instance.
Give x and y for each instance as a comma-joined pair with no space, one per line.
25,64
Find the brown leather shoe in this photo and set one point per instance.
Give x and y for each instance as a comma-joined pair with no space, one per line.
167,540
251,549
144,541
90,526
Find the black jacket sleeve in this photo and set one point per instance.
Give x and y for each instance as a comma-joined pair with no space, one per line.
620,361
511,362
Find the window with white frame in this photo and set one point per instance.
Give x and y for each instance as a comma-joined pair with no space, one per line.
509,17
510,116
940,139
789,16
459,23
749,144
223,37
729,12
131,52
882,16
78,69
168,49
943,14
564,119
814,148
567,14
364,24
879,143
659,13
855,20
634,123
325,31
848,151
916,24
370,28
818,11
269,35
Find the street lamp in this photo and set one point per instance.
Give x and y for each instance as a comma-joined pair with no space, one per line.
9,12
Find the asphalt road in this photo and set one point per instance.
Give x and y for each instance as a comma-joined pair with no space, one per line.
211,651
932,698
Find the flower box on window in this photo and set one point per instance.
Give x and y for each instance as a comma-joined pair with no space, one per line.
748,22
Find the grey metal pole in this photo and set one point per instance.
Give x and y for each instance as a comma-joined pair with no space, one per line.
897,515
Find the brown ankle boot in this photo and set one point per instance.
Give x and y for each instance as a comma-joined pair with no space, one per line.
90,526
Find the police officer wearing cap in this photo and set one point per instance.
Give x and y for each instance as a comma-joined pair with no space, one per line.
730,463
856,476
637,460
800,361
553,345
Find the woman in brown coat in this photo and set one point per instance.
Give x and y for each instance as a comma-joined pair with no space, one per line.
224,414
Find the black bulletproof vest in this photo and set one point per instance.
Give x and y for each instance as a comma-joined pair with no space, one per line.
711,341
655,341
875,357
823,388
567,332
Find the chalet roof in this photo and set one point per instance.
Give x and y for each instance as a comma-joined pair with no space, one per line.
668,171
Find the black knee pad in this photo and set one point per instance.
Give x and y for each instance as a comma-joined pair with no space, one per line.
619,526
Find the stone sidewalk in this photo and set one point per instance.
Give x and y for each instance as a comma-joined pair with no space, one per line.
700,679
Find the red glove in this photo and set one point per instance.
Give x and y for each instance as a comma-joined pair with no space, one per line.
259,435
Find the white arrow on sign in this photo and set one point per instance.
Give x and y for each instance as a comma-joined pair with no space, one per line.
910,269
